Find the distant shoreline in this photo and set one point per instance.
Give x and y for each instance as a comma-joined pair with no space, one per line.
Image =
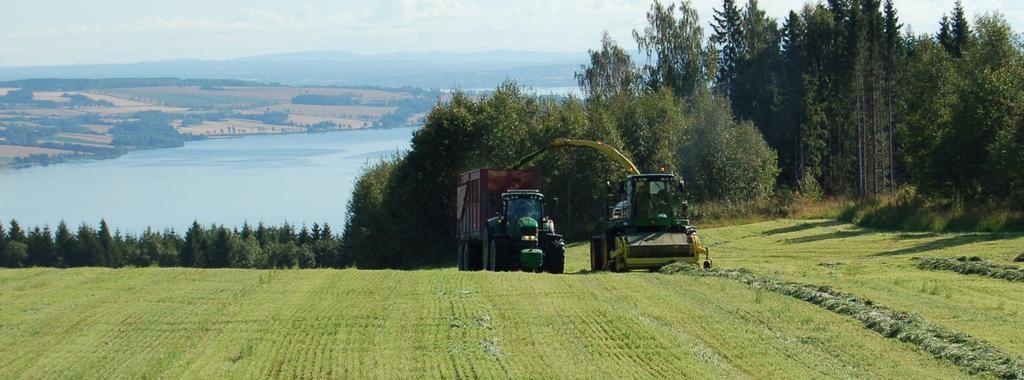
8,163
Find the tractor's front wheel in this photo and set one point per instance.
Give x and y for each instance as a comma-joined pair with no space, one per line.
554,259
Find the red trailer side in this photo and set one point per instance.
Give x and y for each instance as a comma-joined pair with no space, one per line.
478,198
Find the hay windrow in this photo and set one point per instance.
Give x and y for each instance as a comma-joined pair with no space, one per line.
973,355
973,265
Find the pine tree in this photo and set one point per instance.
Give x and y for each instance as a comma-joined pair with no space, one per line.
960,31
945,36
41,249
891,54
192,252
317,232
105,256
3,246
65,245
326,233
88,249
727,37
219,256
16,233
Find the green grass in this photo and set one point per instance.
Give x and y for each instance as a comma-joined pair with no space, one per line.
880,266
129,323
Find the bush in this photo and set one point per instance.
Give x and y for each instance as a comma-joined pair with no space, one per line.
723,159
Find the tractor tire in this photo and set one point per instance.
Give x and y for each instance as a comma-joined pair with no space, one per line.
491,253
462,257
474,257
554,261
596,254
554,257
501,255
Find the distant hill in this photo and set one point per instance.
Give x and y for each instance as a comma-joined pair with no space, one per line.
416,69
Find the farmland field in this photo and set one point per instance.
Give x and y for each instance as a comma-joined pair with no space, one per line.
82,120
444,323
24,151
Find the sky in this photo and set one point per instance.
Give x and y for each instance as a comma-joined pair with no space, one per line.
52,32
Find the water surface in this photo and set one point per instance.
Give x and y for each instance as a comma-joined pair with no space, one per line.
301,178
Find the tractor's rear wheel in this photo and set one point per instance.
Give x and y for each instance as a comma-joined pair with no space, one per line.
596,254
554,259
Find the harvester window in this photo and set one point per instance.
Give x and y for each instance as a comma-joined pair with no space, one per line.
653,199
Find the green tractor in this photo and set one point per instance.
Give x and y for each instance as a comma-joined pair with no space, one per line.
647,226
520,238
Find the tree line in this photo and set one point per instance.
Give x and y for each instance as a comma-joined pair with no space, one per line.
837,100
856,105
214,246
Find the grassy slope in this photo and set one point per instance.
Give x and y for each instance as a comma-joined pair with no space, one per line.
880,266
352,323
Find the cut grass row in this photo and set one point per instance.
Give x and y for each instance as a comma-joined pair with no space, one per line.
974,355
973,265
880,266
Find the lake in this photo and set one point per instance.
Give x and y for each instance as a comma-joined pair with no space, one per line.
299,178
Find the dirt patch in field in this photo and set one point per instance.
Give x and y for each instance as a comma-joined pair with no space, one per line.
973,355
25,151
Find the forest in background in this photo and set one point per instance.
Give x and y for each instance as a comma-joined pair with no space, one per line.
836,100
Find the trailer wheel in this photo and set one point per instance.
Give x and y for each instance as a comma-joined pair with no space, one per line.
474,256
462,257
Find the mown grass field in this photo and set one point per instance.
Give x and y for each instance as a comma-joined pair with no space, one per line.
131,323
